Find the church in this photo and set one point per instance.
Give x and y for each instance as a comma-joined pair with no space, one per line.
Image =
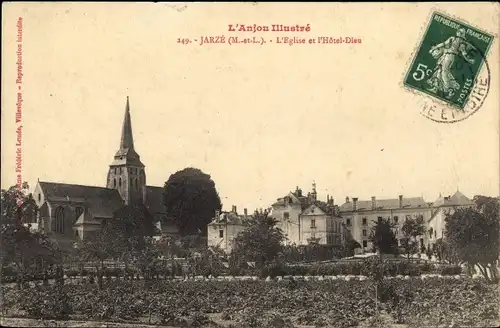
71,211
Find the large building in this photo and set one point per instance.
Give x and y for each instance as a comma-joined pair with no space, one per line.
69,211
440,208
225,227
360,216
305,220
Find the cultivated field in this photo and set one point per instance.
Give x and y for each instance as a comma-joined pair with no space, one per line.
411,302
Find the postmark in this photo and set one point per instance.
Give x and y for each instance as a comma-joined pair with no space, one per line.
449,70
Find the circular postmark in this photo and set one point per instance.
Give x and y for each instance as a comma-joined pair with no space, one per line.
443,112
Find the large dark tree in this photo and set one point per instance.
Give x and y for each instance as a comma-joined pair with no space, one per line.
190,198
383,238
473,234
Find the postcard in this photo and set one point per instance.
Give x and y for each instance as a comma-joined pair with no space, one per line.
250,164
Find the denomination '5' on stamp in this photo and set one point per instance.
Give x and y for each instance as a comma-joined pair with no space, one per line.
448,60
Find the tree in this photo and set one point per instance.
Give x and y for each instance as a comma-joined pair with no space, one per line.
19,246
382,237
261,242
97,248
18,205
473,234
412,229
128,228
191,199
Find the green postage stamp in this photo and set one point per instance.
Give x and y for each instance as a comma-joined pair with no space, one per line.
449,67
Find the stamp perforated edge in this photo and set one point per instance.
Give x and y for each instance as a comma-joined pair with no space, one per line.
420,96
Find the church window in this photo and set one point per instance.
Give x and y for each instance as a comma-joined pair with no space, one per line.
116,170
114,182
120,182
136,184
78,212
39,197
59,224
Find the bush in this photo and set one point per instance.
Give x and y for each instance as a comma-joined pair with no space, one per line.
450,270
46,302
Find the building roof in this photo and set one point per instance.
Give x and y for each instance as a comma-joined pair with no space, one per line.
325,207
458,199
296,197
385,204
86,219
101,202
154,199
231,218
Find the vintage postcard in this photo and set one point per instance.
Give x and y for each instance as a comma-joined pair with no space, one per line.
291,165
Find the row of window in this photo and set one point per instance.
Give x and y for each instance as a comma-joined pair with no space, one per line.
134,184
60,222
132,170
364,221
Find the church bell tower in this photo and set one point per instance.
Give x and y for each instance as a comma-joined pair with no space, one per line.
127,173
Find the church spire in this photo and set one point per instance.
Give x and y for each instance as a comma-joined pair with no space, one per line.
127,140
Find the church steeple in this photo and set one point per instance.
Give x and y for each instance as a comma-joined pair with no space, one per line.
126,172
127,140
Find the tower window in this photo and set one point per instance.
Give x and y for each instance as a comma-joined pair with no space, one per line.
78,212
39,197
136,184
120,182
114,183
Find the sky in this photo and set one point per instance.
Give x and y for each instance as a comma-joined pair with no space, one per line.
260,119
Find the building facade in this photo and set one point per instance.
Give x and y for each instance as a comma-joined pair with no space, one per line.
225,227
70,211
440,208
361,216
306,220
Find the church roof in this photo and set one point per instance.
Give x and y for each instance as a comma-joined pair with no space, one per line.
154,199
101,202
385,204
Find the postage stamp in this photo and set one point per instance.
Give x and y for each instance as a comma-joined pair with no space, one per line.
450,69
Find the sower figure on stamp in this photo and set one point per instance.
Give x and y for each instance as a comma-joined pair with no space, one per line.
442,79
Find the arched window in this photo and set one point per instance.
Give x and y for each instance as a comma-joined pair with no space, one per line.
120,182
114,182
78,212
59,224
136,184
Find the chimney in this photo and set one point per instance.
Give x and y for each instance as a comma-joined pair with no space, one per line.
234,209
400,200
245,211
331,201
355,204
347,199
374,203
328,199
